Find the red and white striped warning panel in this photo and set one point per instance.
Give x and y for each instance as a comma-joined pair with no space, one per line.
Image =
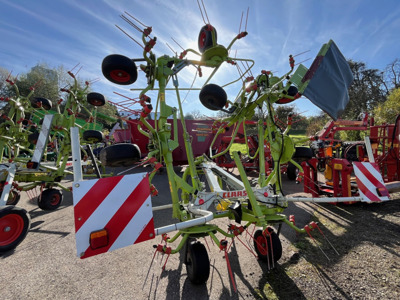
370,182
112,213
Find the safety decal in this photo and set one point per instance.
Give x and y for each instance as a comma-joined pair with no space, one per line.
370,182
112,213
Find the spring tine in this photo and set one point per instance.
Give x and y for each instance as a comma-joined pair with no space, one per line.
308,230
315,225
135,19
205,11
331,245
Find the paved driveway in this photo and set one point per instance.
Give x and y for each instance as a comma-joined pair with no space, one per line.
45,265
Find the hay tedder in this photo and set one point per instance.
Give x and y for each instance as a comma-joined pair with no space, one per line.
114,212
23,148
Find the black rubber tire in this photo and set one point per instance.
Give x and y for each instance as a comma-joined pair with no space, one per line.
291,171
14,226
213,96
93,136
205,38
13,198
262,246
302,154
42,102
350,152
96,99
50,199
33,137
197,262
120,155
119,69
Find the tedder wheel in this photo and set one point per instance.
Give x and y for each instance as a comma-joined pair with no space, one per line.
13,198
14,225
213,96
93,136
42,102
262,244
119,69
291,171
205,38
50,199
96,99
33,137
197,262
120,155
302,154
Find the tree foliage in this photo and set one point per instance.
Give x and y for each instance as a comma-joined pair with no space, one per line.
43,80
298,122
392,75
317,123
366,92
389,110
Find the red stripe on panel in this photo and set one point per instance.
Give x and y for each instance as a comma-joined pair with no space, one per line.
93,198
123,216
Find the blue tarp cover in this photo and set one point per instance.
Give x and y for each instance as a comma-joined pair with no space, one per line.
330,77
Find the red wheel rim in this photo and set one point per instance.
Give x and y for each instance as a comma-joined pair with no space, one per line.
11,227
55,199
202,38
96,102
120,75
262,244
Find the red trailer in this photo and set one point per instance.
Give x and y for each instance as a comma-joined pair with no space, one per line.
199,130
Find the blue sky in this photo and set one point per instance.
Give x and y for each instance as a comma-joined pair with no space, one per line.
68,32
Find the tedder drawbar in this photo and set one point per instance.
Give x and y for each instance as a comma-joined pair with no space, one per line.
115,212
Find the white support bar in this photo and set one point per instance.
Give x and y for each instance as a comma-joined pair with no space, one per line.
325,199
205,216
371,157
41,143
10,169
76,154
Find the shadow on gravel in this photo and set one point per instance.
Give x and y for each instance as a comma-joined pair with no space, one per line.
276,284
356,224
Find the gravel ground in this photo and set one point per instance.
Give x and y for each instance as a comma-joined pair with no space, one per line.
367,238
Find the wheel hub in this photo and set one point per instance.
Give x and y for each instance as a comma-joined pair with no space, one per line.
120,75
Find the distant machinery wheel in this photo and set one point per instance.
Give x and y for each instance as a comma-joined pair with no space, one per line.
197,262
14,225
96,99
50,199
268,246
42,102
119,69
205,40
33,137
120,155
291,171
13,198
93,136
213,97
302,153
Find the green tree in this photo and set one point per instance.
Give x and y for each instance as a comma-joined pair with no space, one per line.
4,90
298,122
389,110
366,92
392,75
317,123
43,80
